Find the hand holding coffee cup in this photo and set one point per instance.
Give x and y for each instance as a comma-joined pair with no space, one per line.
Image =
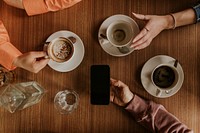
60,49
164,77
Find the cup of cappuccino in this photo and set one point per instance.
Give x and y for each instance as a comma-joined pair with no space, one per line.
164,77
120,33
60,49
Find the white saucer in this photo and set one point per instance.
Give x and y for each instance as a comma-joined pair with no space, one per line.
77,57
146,75
105,44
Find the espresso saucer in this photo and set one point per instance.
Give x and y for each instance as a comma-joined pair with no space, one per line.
77,57
149,67
105,44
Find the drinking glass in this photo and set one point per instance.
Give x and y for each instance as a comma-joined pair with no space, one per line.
21,95
66,101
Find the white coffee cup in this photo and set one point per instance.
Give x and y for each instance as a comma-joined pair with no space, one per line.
120,33
60,49
164,77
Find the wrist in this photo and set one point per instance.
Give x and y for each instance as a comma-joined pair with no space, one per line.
129,99
170,21
15,62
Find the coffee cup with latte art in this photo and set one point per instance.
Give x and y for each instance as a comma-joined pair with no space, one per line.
60,49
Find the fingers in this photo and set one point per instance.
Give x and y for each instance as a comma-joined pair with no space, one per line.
117,83
42,62
40,65
138,16
141,16
142,45
142,42
120,84
112,80
38,54
112,95
143,39
142,33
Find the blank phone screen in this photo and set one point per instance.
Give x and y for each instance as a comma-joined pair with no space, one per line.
100,84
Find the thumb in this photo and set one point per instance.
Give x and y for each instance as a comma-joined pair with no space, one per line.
141,16
116,83
38,54
42,63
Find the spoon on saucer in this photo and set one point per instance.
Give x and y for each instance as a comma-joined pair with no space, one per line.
123,50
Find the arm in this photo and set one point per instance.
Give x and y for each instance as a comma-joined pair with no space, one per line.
155,117
11,57
149,114
156,24
34,7
7,51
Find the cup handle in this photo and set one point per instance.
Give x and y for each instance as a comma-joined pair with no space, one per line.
72,39
168,91
45,49
158,92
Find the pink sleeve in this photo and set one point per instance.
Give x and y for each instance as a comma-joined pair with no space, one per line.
155,117
7,51
34,7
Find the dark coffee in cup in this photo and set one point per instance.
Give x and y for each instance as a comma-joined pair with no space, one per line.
119,35
164,76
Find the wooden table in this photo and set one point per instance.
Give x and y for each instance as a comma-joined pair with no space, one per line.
84,19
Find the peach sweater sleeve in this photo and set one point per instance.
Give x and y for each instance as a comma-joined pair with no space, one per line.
34,7
155,117
7,51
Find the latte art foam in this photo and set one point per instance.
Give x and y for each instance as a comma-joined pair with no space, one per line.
62,49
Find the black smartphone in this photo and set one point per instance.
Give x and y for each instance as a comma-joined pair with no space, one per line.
100,85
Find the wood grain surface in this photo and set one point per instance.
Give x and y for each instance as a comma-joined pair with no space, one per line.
28,33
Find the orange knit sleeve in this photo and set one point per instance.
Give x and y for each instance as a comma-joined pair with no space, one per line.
7,51
34,7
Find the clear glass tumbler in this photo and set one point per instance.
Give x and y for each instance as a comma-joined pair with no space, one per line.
18,96
66,101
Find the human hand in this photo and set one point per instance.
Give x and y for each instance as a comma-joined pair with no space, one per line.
155,24
31,61
120,93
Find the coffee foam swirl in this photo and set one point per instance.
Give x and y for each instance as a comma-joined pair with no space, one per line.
62,49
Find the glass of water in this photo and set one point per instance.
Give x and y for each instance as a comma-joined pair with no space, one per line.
66,101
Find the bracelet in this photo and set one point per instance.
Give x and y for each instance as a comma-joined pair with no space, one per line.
174,19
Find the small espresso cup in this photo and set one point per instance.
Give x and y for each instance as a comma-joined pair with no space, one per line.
164,77
120,33
60,49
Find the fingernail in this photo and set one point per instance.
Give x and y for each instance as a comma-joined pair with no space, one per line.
46,57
